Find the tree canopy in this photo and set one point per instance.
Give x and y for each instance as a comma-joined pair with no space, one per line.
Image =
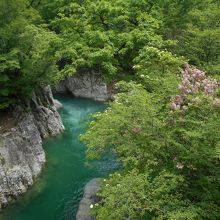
170,155
26,54
43,40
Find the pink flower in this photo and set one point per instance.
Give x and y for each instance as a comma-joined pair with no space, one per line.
193,82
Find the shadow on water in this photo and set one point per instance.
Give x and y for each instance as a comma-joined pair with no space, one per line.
57,193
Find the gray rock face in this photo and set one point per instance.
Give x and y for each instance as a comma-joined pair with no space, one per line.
84,85
47,118
22,157
88,199
21,154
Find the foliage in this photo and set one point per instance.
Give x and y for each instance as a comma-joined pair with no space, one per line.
107,35
153,66
200,40
27,52
171,166
42,41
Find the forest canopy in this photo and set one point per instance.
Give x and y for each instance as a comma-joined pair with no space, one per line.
42,41
164,122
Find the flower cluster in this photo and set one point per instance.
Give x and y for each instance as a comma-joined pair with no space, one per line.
193,81
136,130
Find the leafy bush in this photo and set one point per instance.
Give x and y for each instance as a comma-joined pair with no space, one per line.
170,157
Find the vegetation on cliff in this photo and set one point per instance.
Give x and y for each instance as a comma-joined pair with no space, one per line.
26,51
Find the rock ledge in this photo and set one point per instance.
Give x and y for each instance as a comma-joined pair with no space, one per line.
89,198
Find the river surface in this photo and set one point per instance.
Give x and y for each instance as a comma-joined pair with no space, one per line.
56,194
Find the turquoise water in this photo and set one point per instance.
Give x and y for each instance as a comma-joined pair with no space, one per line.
57,193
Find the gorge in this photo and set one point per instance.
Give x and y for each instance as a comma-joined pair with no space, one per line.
57,193
23,157
149,70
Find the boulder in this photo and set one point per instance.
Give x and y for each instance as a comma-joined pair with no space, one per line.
89,198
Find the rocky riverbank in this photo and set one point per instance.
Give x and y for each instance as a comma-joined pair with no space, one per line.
21,154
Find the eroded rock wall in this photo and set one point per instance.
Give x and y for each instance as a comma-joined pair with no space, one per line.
84,85
47,119
21,154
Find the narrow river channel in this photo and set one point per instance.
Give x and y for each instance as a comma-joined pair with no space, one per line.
57,193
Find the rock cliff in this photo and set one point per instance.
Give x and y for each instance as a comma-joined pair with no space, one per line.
47,119
21,154
84,85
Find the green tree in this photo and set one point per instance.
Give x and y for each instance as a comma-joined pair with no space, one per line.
201,40
107,35
170,158
27,52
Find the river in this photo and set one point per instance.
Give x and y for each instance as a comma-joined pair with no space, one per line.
57,192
